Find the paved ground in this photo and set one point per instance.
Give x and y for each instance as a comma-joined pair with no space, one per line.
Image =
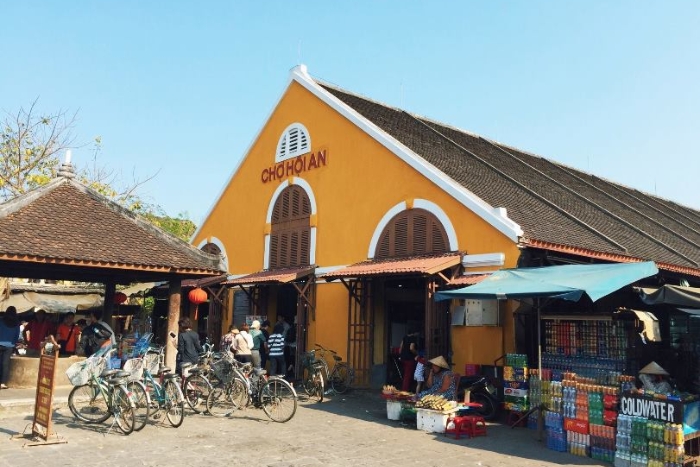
349,430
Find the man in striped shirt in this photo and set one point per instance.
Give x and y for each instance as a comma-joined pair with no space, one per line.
276,346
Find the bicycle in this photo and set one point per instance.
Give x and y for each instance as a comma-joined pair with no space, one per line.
100,394
197,385
243,385
340,376
162,394
312,377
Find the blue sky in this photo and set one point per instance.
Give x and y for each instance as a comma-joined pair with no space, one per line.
181,88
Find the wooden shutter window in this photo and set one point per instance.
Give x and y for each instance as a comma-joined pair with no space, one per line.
412,233
290,230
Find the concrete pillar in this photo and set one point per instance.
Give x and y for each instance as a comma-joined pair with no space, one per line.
174,291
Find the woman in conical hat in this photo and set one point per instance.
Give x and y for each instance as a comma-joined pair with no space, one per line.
441,380
653,377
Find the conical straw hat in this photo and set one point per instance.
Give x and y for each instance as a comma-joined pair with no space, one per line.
653,369
440,361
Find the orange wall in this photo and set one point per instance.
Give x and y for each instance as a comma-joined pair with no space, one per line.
361,182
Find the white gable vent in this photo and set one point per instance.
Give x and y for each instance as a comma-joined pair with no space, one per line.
294,142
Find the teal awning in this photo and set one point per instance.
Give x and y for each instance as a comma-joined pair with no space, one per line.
567,282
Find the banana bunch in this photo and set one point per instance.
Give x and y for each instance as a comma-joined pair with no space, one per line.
434,402
388,389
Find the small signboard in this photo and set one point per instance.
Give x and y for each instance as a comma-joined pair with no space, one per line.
41,426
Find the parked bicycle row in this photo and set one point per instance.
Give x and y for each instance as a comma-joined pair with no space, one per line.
145,390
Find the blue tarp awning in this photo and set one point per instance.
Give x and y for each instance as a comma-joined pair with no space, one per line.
567,282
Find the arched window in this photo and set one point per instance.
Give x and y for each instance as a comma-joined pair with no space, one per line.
290,234
411,233
294,142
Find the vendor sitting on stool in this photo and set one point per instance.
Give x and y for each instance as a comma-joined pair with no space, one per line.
654,378
440,380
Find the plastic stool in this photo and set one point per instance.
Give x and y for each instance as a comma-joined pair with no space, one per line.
476,425
460,426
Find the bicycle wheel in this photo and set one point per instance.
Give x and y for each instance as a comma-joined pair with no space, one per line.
88,404
142,403
223,401
309,381
319,387
340,378
196,390
278,400
123,409
174,403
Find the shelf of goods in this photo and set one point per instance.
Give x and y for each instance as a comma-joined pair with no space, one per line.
590,348
616,423
515,383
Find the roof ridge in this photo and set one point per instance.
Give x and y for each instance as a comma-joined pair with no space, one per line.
25,199
605,193
529,190
604,210
141,222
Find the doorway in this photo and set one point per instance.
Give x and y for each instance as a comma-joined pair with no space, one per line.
405,312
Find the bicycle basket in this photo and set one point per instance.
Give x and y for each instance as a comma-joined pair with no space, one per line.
308,359
223,369
135,368
150,363
79,373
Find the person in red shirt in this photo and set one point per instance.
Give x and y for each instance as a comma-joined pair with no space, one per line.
38,329
67,335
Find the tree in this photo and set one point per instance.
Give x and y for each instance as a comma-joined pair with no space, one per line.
30,149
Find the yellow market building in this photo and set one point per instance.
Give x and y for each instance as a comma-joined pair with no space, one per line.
345,216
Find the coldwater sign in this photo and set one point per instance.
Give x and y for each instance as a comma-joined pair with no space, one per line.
652,409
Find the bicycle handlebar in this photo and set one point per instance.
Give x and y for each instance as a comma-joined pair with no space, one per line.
325,349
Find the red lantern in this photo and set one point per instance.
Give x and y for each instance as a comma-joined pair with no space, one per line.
119,298
197,296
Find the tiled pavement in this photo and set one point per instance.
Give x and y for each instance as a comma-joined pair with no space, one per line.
347,430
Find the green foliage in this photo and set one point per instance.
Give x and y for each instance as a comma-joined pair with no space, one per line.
179,226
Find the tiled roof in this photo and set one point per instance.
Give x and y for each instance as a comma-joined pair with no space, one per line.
273,275
66,223
470,279
551,202
396,266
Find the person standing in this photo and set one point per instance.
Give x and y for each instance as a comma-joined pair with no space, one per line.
407,352
228,339
276,346
36,332
259,344
188,346
67,335
243,344
9,335
265,329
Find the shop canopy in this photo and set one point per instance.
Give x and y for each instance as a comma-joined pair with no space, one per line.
671,295
569,282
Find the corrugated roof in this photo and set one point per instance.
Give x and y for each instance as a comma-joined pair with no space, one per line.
551,202
424,265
